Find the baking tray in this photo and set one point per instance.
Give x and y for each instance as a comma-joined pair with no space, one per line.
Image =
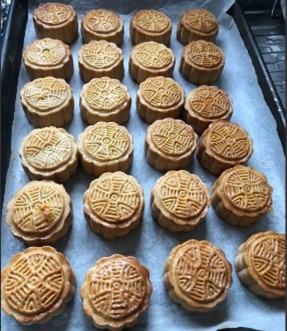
162,309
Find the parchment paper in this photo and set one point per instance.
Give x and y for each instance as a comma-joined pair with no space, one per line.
150,243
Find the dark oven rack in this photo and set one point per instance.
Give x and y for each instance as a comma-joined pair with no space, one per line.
11,60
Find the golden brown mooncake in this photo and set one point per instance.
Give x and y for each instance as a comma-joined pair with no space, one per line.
241,195
179,201
36,285
205,105
102,24
49,153
48,57
105,147
105,99
197,275
40,213
170,144
261,264
201,62
159,97
150,59
116,292
222,146
197,24
48,101
56,21
150,25
113,204
99,59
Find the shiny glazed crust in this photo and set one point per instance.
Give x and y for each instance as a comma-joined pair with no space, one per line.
222,146
99,59
174,213
192,264
177,135
132,309
123,203
105,99
197,24
142,66
150,25
102,24
48,24
35,205
261,264
44,140
61,65
242,207
39,107
159,97
205,105
201,69
65,294
108,134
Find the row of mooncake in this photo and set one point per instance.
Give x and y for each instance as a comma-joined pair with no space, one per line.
38,282
59,21
49,101
41,212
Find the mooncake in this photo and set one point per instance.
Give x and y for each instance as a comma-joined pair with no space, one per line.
48,57
205,105
222,146
241,195
40,213
105,147
102,24
48,102
170,144
56,21
197,24
99,59
36,285
113,204
116,292
150,25
105,99
159,97
150,59
261,264
179,201
49,153
201,62
197,275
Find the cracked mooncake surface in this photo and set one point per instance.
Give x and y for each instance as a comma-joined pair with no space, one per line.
113,204
123,285
36,285
40,212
